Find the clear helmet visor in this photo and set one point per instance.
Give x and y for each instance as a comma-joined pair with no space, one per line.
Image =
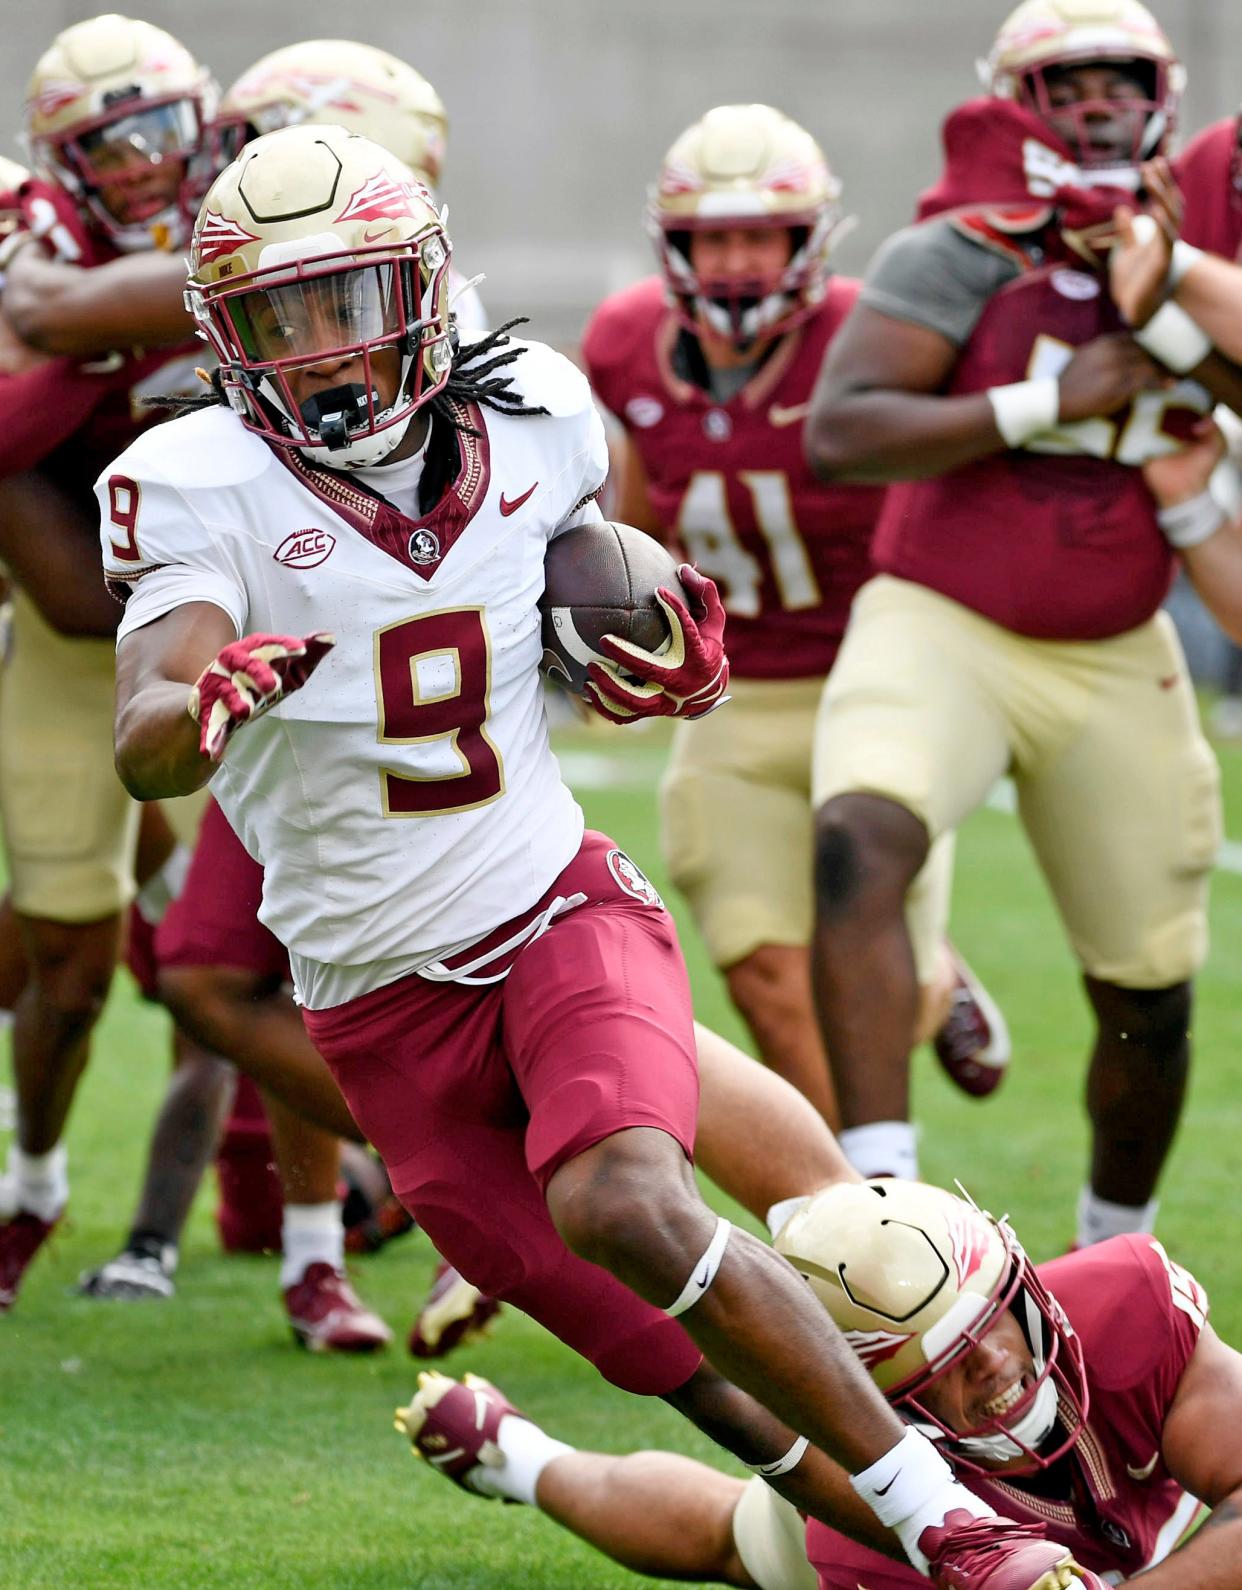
131,144
133,165
314,319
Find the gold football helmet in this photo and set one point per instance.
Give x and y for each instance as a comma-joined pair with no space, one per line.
914,1277
745,166
1042,35
351,85
317,246
115,111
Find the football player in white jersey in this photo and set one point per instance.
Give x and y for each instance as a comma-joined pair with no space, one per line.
220,979
500,996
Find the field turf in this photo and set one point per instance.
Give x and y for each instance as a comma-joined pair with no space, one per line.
189,1444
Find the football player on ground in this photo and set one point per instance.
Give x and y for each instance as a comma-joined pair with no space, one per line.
115,111
1090,1393
986,369
218,969
709,367
499,994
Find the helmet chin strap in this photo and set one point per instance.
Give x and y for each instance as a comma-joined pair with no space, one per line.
1027,1434
752,322
330,415
1030,1430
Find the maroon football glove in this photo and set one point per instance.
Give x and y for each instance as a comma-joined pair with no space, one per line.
247,677
687,679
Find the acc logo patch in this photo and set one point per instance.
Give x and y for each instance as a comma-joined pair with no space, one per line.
305,548
632,879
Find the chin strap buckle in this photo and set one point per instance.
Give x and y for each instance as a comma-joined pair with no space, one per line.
335,412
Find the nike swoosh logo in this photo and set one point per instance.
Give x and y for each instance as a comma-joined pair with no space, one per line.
1145,1472
373,235
507,507
788,416
701,1281
883,1490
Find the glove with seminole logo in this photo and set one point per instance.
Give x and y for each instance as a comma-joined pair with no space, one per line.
688,678
246,678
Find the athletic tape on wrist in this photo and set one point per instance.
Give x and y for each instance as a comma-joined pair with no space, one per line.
1025,409
782,1465
1188,524
704,1272
1173,337
1184,256
900,1483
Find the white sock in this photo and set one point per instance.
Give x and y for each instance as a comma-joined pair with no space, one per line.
783,1211
882,1148
527,1452
159,891
310,1234
1098,1219
912,1488
39,1183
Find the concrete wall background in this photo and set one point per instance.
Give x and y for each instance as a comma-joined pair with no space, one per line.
561,109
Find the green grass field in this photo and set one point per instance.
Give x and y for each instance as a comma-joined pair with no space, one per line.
189,1444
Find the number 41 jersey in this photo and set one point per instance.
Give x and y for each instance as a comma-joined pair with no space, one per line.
728,480
406,800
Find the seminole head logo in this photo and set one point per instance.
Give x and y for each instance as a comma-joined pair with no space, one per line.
632,878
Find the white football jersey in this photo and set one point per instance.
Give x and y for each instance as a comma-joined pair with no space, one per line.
406,800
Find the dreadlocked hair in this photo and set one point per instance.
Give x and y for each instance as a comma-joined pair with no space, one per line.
472,378
181,403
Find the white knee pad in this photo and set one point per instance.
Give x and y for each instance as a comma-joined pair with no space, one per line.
704,1272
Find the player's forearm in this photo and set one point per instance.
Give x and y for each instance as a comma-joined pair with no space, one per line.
879,436
1221,377
63,309
1210,1560
157,743
1215,571
1210,292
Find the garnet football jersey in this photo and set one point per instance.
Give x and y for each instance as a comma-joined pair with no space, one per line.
407,799
729,482
1138,1316
1209,173
1057,539
91,407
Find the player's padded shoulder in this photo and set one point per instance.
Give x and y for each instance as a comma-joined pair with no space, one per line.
543,378
1131,1305
619,334
207,448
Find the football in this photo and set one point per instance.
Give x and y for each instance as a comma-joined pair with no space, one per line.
601,579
